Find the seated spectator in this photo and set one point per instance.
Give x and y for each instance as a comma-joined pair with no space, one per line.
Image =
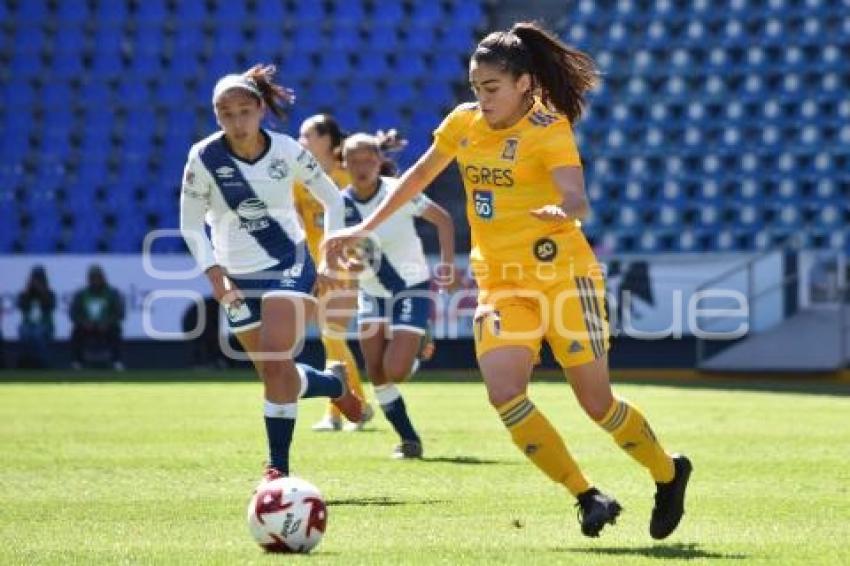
35,333
96,312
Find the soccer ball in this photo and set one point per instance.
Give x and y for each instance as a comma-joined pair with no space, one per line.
287,515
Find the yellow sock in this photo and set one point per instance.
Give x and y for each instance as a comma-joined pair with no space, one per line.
634,435
533,434
336,348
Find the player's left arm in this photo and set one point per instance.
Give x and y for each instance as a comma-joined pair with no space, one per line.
442,221
574,205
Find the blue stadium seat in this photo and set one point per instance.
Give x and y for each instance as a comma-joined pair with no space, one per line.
309,14
371,65
334,66
344,38
402,94
426,16
191,11
271,11
17,95
409,66
32,12
387,13
464,12
362,94
348,12
421,39
383,38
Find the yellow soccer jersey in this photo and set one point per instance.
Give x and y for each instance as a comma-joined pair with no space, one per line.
311,212
506,174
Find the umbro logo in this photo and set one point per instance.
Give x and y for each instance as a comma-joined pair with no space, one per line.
576,347
225,172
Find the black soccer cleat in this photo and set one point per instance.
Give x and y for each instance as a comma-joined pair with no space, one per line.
407,450
595,509
670,500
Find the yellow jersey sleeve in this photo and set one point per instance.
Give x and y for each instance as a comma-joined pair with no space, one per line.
558,147
450,132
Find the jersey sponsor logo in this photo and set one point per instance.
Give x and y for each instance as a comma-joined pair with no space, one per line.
278,169
495,176
253,215
545,249
225,172
483,203
509,151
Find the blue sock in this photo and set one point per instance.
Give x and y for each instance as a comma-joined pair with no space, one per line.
315,383
395,410
280,423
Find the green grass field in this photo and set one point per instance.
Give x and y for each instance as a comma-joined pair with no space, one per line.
133,472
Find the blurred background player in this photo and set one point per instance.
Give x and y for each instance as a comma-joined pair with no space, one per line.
37,303
240,179
395,298
97,311
322,136
535,270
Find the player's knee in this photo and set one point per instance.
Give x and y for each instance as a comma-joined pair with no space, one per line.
504,392
397,370
596,406
376,373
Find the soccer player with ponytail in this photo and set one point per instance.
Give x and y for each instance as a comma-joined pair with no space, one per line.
537,276
239,180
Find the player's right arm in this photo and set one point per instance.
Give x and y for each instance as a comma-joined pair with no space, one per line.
194,203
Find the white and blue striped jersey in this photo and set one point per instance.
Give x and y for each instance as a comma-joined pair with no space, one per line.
249,205
401,262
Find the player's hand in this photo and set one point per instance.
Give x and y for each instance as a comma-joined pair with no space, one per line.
341,248
551,213
225,291
390,141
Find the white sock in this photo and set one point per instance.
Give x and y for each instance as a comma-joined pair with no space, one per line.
386,394
280,411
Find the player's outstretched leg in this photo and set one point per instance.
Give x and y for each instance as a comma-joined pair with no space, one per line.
534,435
331,383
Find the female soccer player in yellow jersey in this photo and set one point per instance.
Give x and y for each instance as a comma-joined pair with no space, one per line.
323,137
537,275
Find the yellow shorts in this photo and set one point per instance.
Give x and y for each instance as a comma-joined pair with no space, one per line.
569,313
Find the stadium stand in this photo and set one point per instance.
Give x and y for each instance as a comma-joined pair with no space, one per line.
715,128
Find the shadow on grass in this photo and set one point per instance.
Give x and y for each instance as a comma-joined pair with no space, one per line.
380,502
464,460
676,551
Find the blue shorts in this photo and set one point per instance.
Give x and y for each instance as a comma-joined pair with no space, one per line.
410,308
297,280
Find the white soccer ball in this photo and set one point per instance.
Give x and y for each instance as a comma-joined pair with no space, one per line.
287,515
